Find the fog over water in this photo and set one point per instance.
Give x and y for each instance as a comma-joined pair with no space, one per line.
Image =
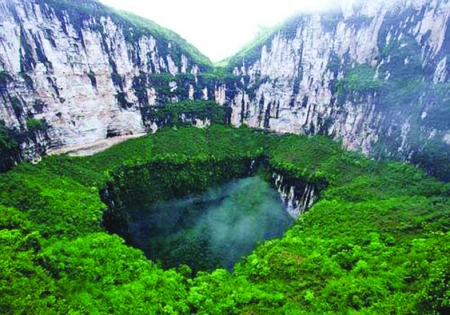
214,229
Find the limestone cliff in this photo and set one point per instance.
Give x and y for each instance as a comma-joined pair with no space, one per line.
372,73
81,72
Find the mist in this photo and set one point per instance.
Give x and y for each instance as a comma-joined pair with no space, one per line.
211,230
219,29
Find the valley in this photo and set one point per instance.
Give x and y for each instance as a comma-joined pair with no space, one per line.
307,174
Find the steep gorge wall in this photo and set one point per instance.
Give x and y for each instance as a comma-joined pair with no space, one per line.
297,195
84,72
372,73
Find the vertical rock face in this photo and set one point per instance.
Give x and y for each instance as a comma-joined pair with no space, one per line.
374,74
81,70
298,197
368,72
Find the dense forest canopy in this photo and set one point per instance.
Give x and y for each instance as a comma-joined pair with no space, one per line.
376,242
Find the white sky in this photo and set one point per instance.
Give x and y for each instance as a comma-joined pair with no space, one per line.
217,28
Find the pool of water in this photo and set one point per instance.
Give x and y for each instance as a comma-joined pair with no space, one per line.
211,230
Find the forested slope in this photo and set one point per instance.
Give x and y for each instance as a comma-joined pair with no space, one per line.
375,243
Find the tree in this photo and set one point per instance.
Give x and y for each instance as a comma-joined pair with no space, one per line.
8,148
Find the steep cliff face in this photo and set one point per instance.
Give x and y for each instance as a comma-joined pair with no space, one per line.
298,197
372,73
81,72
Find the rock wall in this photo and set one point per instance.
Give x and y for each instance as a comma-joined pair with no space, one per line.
366,72
297,196
82,69
373,74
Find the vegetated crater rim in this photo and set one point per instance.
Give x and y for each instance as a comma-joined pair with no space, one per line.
123,201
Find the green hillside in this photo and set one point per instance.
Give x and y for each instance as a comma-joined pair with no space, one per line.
251,52
377,241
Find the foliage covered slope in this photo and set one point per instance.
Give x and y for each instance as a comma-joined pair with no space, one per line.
252,51
376,243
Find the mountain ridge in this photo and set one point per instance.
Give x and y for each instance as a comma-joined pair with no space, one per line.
374,75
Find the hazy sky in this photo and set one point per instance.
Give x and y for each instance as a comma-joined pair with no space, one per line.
217,28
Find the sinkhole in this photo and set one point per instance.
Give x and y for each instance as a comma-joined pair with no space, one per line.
200,213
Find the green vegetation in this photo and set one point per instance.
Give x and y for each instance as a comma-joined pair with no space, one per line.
377,242
147,26
161,83
5,78
134,26
360,79
8,148
169,87
16,105
406,95
186,113
35,125
203,231
252,51
331,20
92,78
